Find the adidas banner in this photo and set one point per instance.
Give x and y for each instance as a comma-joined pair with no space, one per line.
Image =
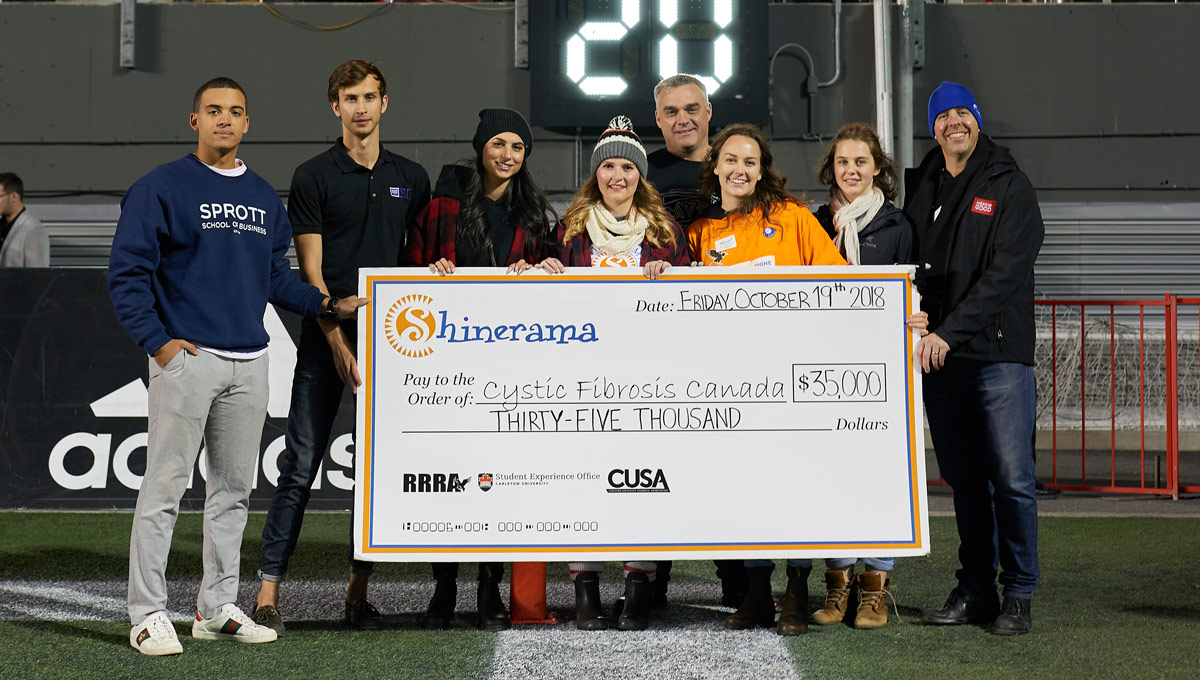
73,403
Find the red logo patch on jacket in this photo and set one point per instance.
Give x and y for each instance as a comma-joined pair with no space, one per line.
983,206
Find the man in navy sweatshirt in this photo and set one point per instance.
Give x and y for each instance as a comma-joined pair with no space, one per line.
199,250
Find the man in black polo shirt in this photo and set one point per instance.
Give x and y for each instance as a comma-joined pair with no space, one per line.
682,111
349,207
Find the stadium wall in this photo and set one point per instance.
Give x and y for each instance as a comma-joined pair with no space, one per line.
1092,98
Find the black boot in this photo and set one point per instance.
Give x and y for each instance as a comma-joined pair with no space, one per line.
658,587
492,615
440,612
1015,617
793,615
636,614
589,614
733,581
758,609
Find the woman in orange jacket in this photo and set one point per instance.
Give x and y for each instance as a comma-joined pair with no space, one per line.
757,222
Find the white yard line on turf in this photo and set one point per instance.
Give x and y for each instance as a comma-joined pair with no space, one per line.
68,604
693,652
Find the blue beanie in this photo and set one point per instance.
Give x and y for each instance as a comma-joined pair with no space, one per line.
948,96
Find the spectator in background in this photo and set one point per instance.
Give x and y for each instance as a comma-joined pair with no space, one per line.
978,233
487,211
349,207
23,240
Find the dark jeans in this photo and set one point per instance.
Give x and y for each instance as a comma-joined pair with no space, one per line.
981,417
316,395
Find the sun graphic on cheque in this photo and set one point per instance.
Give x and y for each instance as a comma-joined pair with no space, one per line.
409,325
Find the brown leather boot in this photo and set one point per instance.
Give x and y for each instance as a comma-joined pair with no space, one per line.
872,599
793,613
758,609
837,597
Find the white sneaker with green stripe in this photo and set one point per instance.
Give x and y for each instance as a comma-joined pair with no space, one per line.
155,636
231,623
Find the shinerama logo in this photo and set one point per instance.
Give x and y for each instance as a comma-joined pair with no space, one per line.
409,325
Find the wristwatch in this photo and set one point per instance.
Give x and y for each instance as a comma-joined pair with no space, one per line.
331,310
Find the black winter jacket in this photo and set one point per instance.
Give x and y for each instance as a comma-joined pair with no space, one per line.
886,240
979,297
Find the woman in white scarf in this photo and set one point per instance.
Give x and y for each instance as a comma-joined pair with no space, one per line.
868,230
617,218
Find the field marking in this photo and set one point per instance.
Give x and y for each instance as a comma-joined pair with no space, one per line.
685,642
73,604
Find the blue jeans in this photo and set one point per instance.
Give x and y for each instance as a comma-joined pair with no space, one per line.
981,417
316,395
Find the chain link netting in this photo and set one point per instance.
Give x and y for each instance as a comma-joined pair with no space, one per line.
1086,374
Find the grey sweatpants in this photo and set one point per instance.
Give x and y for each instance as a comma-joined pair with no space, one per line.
222,403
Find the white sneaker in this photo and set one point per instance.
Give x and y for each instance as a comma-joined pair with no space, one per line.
231,623
155,636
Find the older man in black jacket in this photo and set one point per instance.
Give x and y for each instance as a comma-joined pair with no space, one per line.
978,232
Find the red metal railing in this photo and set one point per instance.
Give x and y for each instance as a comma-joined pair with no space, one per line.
1070,472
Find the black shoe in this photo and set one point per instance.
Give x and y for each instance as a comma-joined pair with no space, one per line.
793,614
1015,617
362,615
733,591
733,581
658,587
493,617
440,613
758,607
589,614
963,607
635,615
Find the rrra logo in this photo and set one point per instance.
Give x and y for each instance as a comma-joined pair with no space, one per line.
437,482
409,325
983,206
637,481
485,480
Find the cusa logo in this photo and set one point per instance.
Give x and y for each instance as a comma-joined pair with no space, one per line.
409,325
637,481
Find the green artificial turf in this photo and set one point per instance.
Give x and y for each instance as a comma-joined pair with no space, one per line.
1120,598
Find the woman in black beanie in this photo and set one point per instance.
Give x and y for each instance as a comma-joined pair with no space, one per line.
486,211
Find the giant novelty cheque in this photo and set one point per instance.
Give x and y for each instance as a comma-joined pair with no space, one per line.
714,413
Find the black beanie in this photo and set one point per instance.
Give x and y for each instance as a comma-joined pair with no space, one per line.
494,121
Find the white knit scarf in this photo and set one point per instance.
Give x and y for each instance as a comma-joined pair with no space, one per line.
852,218
612,236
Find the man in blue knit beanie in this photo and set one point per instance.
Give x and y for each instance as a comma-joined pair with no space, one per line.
978,232
199,251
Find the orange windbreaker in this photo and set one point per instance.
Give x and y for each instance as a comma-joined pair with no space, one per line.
792,237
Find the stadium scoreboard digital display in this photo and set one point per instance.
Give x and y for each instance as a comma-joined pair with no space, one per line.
593,59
